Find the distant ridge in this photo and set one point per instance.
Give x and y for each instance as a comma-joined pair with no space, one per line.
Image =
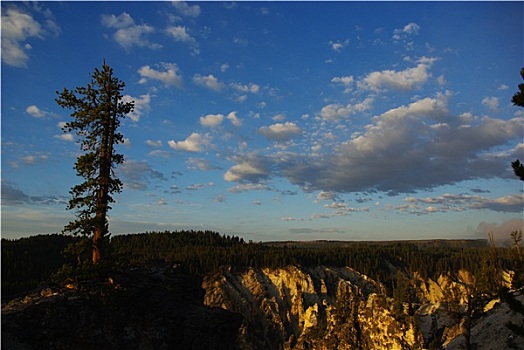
455,243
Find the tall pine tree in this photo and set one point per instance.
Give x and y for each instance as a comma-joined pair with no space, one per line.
97,110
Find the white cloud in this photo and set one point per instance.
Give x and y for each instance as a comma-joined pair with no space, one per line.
408,79
232,117
179,33
409,29
35,111
129,34
244,171
186,10
32,159
336,111
338,45
211,120
491,102
347,82
19,26
280,132
127,142
193,143
65,137
169,76
326,196
510,203
224,67
153,143
141,105
209,82
252,88
408,148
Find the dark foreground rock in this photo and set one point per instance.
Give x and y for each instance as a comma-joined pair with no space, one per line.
143,308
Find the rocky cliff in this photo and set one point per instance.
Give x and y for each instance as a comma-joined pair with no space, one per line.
339,308
316,308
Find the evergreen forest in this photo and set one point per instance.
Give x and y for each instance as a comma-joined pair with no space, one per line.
28,261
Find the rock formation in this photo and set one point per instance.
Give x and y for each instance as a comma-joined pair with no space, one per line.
339,308
317,308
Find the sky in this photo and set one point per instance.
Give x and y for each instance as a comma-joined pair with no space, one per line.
276,120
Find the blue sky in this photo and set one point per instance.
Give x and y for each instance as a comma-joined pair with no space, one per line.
274,120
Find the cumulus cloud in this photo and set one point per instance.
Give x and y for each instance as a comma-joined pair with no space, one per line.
347,82
65,137
336,111
168,76
209,82
187,10
406,149
141,105
251,168
252,88
511,203
326,196
280,132
408,79
491,102
17,27
181,34
193,143
215,120
232,117
129,34
211,120
35,111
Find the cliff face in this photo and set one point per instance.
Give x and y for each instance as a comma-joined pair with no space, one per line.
320,308
339,308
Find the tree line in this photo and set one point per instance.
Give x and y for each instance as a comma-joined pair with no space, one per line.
27,261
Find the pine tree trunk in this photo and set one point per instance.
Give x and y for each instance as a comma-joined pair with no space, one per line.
106,152
97,246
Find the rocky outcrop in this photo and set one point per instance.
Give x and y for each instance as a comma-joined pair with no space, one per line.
146,308
311,308
339,308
